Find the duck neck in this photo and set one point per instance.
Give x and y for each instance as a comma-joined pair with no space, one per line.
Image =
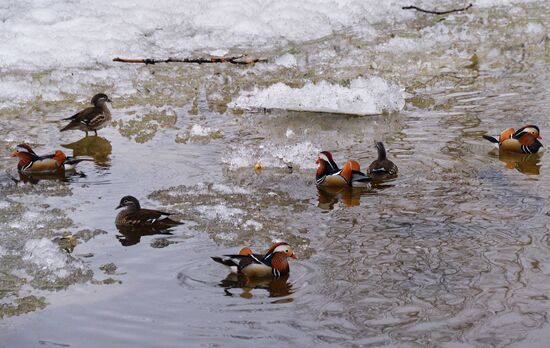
280,263
104,108
24,160
381,151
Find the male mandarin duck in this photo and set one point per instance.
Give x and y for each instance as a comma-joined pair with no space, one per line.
92,118
382,166
328,173
30,162
524,140
134,216
274,263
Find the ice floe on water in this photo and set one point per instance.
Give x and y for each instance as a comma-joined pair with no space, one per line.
300,155
222,212
46,255
364,96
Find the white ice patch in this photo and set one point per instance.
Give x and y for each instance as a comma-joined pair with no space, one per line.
301,155
364,96
286,60
199,131
46,255
289,133
227,236
253,224
221,212
57,33
231,190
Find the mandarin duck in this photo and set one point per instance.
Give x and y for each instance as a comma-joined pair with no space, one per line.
274,263
328,173
92,118
381,167
30,162
524,140
134,215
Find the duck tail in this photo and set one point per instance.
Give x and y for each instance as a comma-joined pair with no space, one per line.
381,150
70,117
169,222
227,261
70,126
75,160
491,138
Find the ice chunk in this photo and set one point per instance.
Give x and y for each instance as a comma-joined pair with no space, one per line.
46,255
222,212
253,224
272,155
289,133
364,96
199,131
286,60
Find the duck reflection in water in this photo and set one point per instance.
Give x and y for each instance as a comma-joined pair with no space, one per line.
525,163
329,196
34,178
94,146
276,287
131,235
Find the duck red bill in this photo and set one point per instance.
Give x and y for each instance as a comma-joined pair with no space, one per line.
294,257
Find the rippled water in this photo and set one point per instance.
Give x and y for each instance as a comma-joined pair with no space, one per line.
452,253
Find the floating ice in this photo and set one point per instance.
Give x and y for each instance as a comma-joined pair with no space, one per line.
199,131
271,155
253,224
289,133
222,212
286,60
46,255
364,96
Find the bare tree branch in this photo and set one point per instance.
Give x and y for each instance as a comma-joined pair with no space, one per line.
436,12
243,60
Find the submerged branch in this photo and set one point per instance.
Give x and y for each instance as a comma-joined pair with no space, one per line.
436,12
243,60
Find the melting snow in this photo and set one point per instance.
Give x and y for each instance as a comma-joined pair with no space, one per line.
272,155
364,96
46,255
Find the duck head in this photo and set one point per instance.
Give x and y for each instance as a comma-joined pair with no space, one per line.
25,154
281,249
100,99
130,202
529,129
21,150
326,163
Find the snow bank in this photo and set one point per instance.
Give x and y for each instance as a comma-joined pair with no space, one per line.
373,95
53,33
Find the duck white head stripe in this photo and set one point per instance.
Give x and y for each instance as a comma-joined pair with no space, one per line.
281,248
325,158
